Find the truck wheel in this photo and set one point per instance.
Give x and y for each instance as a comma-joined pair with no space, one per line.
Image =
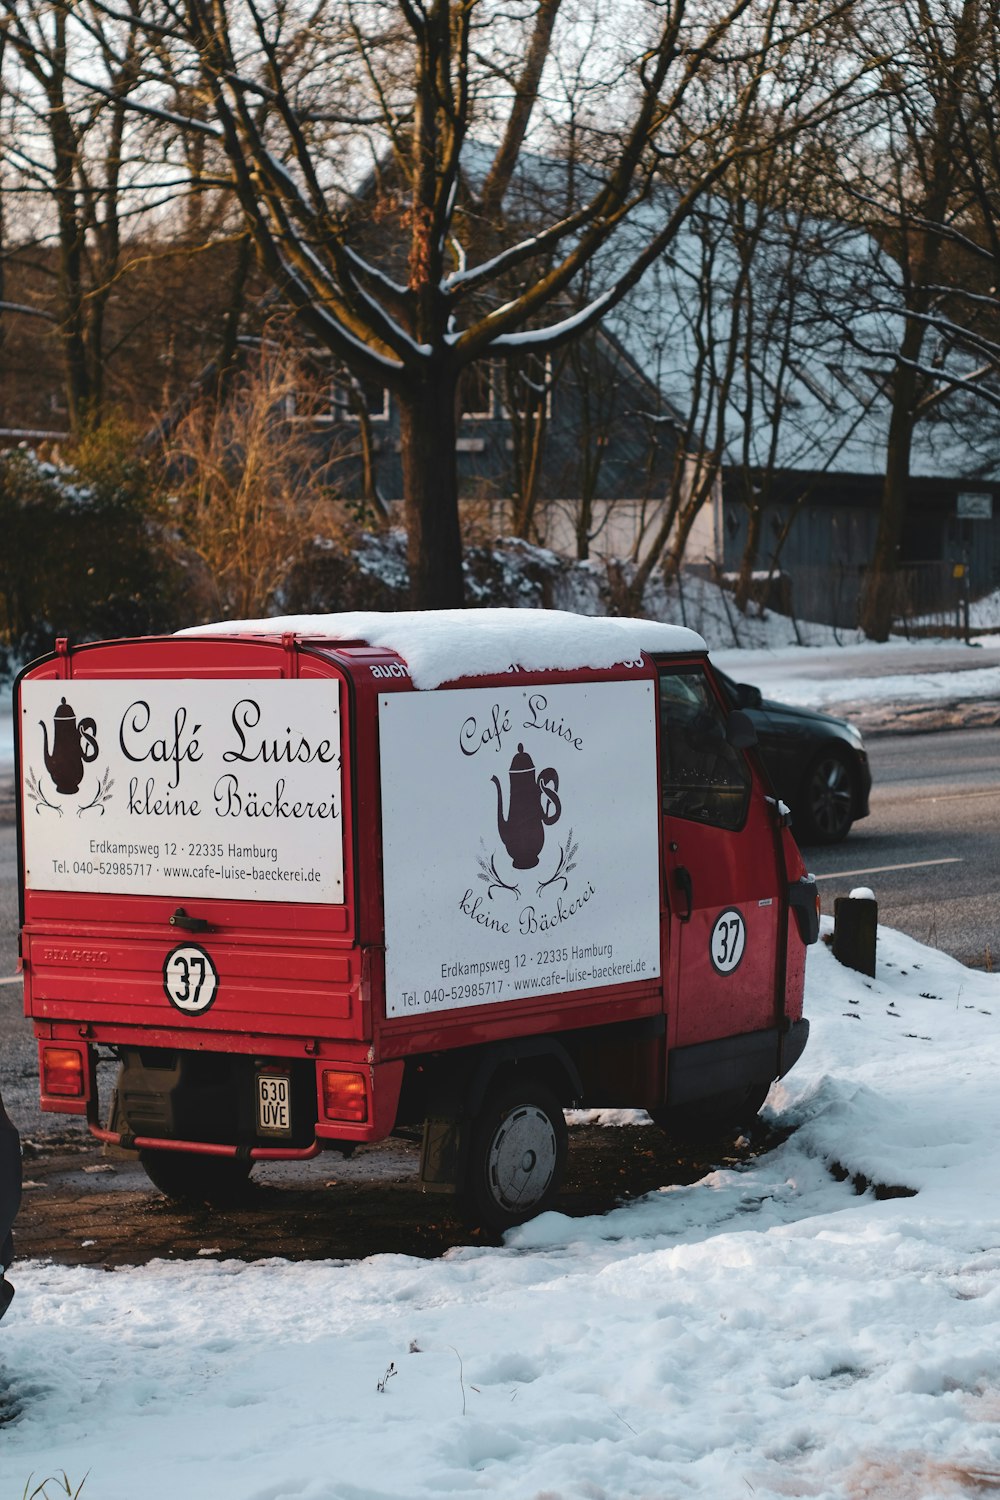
197,1179
827,801
517,1154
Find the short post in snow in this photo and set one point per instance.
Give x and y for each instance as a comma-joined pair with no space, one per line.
855,929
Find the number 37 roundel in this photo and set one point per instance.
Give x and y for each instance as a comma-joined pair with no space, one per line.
728,941
190,979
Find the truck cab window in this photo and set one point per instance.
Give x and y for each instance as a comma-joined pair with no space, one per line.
702,776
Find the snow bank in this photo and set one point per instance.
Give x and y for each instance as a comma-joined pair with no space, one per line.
770,1331
864,677
439,645
984,614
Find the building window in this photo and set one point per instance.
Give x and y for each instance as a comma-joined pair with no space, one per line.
528,386
476,398
361,395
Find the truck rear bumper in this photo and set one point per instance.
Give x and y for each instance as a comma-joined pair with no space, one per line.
203,1148
164,1104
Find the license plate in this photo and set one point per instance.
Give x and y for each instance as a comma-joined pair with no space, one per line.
274,1104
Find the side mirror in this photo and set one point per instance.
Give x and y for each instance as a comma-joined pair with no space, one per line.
748,696
740,730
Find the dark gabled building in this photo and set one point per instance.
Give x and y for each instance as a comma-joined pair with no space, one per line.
581,443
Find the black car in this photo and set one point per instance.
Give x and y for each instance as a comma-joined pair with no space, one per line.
10,1198
818,764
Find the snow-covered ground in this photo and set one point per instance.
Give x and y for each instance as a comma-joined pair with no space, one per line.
857,677
768,1332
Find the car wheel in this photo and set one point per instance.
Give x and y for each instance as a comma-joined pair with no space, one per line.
517,1154
197,1179
826,807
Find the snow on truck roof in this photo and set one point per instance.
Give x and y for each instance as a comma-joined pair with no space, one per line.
439,645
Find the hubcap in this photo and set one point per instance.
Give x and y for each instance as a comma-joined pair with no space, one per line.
831,800
522,1158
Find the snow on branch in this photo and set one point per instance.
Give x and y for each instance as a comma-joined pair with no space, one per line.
381,324
378,277
29,312
528,340
340,338
153,111
463,281
948,383
960,335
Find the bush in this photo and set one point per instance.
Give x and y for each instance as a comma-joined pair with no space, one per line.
85,552
371,573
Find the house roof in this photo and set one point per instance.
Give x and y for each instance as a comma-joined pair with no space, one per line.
817,328
824,313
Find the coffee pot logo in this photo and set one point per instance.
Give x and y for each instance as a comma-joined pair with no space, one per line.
533,805
74,745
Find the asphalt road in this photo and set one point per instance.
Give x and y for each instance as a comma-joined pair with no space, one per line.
930,851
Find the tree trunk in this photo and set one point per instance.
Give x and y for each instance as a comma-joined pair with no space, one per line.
932,207
748,562
430,493
689,493
877,604
584,521
72,315
528,468
235,307
72,320
369,469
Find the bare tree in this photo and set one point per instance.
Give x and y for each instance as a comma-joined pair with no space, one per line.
596,377
414,284
979,134
101,199
910,185
245,479
726,317
70,149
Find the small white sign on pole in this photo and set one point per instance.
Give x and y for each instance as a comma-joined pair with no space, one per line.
974,507
520,842
184,787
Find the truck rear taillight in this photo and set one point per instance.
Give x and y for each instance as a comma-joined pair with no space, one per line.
345,1096
63,1072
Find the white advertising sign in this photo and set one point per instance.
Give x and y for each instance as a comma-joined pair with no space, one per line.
184,787
520,849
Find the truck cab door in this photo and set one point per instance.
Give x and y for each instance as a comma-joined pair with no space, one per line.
723,882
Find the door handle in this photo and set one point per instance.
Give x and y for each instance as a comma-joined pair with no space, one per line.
682,880
180,918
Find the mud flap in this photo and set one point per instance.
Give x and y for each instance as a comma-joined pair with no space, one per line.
443,1154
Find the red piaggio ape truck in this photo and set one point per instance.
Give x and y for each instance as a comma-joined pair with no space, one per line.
306,895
